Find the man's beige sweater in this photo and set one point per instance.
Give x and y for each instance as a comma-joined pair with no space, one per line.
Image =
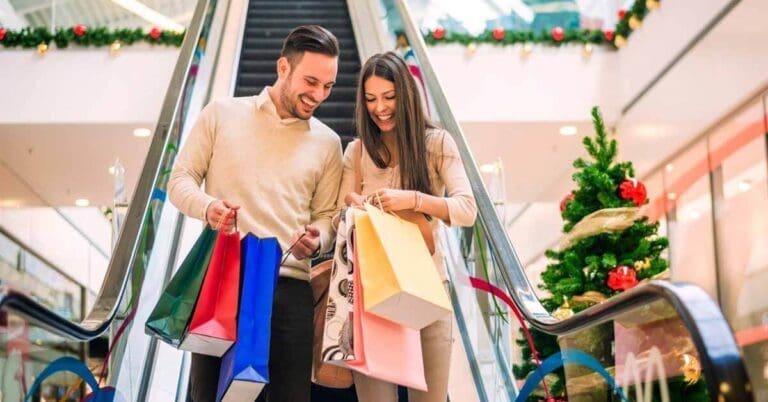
284,173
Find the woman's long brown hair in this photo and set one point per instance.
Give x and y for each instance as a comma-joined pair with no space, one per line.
411,122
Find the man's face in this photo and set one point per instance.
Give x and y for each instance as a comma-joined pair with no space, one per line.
307,83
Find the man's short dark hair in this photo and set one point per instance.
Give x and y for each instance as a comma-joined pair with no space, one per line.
309,38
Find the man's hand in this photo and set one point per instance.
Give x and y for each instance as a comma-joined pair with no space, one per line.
308,245
221,215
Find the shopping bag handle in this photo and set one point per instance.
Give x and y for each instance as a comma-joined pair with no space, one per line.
218,224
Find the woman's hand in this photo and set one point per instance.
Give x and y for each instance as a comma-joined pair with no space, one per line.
394,200
354,200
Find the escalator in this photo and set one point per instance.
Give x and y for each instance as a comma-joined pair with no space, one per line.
147,252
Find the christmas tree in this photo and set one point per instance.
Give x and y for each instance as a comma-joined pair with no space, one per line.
608,245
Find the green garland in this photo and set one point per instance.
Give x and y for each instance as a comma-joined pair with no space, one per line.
616,38
28,38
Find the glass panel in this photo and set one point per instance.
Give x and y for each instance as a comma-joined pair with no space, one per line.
474,17
25,351
689,214
739,147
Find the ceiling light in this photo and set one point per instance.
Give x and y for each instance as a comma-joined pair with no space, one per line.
9,203
112,170
670,167
150,15
82,202
671,196
488,168
568,130
142,132
694,214
744,186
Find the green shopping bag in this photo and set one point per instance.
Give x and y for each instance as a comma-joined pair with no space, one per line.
173,311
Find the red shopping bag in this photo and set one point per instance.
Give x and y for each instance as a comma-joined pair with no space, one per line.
384,349
213,327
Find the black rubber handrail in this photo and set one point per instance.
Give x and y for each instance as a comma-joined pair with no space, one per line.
721,359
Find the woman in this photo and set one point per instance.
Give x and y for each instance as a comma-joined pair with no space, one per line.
406,163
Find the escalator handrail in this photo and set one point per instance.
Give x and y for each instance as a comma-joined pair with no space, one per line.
125,253
721,359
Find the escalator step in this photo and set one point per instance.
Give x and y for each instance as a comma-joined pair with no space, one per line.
277,43
282,32
306,12
290,23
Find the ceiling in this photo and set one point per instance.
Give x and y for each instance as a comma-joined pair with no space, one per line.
55,164
97,12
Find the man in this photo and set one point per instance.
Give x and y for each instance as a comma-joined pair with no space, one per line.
267,158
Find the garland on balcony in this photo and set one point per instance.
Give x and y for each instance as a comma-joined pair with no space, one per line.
81,35
629,21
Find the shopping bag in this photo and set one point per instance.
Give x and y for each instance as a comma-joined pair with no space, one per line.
213,326
72,365
171,315
244,367
337,329
400,280
384,349
327,375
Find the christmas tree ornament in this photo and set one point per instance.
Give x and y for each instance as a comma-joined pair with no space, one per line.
590,297
622,14
79,30
115,47
438,33
652,4
564,202
620,41
622,278
3,32
633,190
642,265
609,34
635,22
587,50
42,49
563,312
499,33
558,34
155,33
691,368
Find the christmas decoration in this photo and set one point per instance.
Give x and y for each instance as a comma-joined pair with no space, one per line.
633,190
155,33
558,34
641,265
81,35
438,33
471,49
42,49
115,47
79,30
498,33
622,278
605,234
527,49
620,41
629,20
691,369
587,50
564,203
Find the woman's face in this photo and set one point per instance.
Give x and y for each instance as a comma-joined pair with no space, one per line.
380,102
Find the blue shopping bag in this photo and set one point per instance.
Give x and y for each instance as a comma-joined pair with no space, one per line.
244,368
72,365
